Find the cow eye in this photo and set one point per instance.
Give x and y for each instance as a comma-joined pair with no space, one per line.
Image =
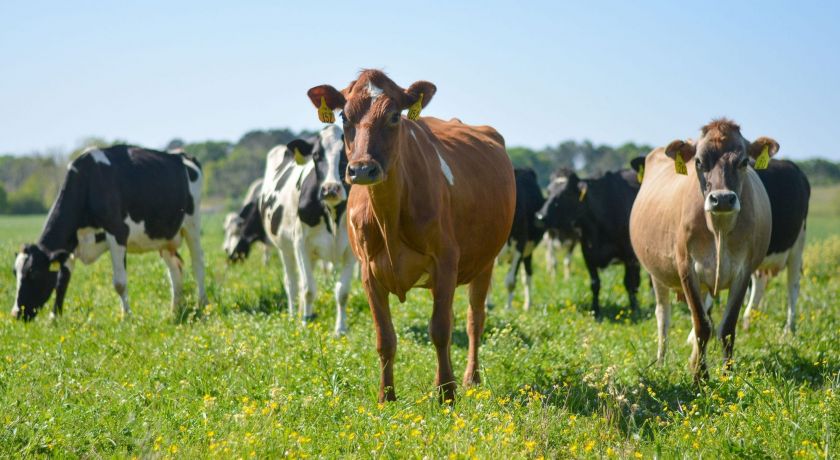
394,119
743,164
699,164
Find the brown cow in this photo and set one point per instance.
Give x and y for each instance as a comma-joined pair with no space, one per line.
431,206
704,231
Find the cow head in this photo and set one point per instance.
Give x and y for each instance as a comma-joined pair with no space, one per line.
235,244
37,274
720,157
564,205
330,159
371,111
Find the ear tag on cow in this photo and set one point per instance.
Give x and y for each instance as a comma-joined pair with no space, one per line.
325,114
582,194
54,266
299,158
414,110
763,160
679,164
641,174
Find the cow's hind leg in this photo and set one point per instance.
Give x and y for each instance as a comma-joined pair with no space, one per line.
475,324
794,273
342,290
174,265
120,276
567,260
632,280
308,285
510,279
663,319
192,233
529,271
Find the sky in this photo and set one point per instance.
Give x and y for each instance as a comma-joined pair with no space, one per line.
539,72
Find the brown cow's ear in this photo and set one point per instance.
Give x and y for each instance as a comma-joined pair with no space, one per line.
413,94
758,145
681,152
332,97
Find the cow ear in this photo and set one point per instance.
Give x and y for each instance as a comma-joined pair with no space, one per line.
332,97
637,163
301,149
59,256
681,152
761,150
418,95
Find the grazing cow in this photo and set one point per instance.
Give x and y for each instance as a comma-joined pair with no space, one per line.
789,193
118,199
431,206
702,243
555,238
599,211
302,208
525,233
245,228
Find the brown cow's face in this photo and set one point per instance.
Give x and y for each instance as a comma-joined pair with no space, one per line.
721,158
371,113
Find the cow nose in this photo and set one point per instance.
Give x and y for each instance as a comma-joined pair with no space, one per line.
723,201
363,173
331,191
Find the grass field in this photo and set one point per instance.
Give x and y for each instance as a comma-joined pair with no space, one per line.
245,381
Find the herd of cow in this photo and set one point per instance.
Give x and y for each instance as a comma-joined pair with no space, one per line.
422,202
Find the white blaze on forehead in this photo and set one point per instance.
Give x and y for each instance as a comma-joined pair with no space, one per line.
374,91
99,156
447,171
331,141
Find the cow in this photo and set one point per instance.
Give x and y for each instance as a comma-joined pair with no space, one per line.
431,205
789,193
525,233
121,199
245,228
599,211
556,239
302,209
703,229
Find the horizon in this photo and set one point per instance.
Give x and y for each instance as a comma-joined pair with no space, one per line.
541,75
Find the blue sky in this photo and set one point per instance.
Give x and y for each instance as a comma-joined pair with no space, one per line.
540,72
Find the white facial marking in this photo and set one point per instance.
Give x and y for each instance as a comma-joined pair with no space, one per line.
374,91
99,157
331,140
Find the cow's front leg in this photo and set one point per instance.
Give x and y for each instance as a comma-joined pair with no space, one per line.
594,282
120,276
700,319
308,286
342,291
737,291
529,271
386,338
61,288
758,284
632,280
174,266
440,329
290,276
567,259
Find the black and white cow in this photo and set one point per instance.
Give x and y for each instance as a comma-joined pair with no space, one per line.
245,228
525,232
119,199
789,192
302,207
555,239
599,211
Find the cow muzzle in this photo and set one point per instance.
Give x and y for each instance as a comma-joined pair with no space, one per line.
364,173
722,202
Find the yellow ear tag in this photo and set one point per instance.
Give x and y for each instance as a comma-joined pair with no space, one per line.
325,114
679,164
299,158
641,174
763,160
582,194
54,266
414,110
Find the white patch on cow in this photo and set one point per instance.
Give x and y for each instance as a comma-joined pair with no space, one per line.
332,143
99,157
447,171
374,91
233,231
88,250
139,241
20,259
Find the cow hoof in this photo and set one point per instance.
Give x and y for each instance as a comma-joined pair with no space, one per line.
309,318
339,333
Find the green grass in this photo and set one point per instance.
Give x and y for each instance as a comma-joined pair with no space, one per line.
244,380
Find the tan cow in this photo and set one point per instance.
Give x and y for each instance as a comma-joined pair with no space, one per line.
703,230
431,206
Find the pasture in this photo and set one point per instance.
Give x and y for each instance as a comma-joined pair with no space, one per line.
245,381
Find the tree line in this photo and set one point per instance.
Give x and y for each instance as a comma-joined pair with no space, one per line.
30,183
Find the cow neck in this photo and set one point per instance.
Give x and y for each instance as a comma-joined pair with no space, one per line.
65,216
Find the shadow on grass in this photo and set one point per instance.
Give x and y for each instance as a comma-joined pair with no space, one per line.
789,364
420,333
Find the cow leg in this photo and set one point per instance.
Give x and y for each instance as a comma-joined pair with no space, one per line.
759,283
550,256
730,318
386,338
510,279
526,261
708,301
567,260
440,331
192,233
308,286
290,276
61,288
475,324
632,280
594,283
342,290
702,324
174,266
266,254
663,319
119,277
794,273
